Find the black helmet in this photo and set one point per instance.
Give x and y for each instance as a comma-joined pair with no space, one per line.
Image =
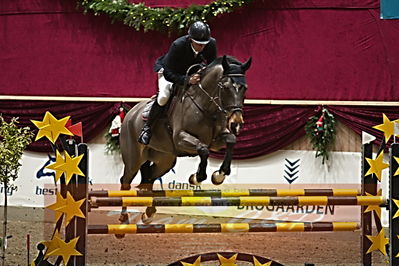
199,32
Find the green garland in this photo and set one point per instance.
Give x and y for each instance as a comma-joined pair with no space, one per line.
321,132
112,143
140,16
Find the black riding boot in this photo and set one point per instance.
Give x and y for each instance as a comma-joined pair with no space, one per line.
145,134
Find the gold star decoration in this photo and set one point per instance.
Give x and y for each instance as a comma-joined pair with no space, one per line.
377,165
57,206
52,245
66,250
228,262
54,166
387,127
51,127
397,170
397,205
197,262
257,263
70,167
378,242
67,206
72,208
375,208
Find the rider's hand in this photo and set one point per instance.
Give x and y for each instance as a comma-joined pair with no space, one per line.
194,79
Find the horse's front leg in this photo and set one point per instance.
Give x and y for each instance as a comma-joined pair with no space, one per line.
225,169
192,145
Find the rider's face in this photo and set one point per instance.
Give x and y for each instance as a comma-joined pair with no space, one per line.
198,47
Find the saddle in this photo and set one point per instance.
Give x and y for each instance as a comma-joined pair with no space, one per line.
168,107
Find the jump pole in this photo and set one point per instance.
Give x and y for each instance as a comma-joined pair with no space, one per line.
222,228
225,193
238,201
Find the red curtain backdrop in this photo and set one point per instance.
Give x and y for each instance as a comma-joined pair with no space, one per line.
301,49
267,128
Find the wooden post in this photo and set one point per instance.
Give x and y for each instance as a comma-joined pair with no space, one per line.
82,193
393,208
369,185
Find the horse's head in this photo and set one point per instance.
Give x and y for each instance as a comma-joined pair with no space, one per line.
233,86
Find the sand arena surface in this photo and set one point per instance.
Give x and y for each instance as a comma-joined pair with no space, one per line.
327,248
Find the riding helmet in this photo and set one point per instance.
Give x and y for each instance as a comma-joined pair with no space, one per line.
199,32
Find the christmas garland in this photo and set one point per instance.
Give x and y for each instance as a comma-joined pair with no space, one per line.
139,16
321,132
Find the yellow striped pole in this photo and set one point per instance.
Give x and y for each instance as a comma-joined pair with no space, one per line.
225,193
221,228
238,201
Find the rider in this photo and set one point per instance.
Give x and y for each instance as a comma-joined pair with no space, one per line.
196,47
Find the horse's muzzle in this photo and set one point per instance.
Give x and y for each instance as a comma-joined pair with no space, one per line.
235,122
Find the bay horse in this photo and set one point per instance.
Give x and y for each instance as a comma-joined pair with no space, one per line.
205,117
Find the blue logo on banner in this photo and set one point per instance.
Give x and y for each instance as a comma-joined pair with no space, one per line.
291,170
43,171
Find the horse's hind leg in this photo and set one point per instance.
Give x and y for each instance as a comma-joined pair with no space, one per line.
125,180
149,174
146,175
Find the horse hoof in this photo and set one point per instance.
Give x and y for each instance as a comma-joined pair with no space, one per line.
124,218
119,236
218,177
193,180
147,219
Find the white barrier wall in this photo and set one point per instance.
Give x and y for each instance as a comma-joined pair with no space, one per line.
282,169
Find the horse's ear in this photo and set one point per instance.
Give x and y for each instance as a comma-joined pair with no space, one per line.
246,65
225,64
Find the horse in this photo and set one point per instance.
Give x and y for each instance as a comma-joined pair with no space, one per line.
204,117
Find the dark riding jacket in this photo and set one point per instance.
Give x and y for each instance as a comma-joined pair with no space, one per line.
181,56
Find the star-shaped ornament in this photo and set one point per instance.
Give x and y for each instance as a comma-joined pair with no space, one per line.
387,127
66,250
54,166
228,262
397,205
58,206
52,245
67,206
378,242
397,170
257,263
70,167
51,127
376,166
375,208
72,208
197,262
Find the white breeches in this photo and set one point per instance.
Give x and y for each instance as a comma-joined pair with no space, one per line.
165,89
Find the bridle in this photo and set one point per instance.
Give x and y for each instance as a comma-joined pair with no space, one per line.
223,109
